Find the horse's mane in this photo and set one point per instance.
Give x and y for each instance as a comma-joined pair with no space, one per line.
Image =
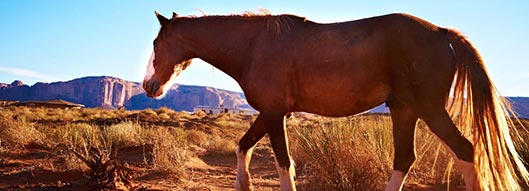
275,24
283,23
256,13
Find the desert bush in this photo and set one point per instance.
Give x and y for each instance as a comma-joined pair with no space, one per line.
164,116
199,114
198,138
86,114
149,111
78,135
68,115
17,134
342,154
23,114
148,115
107,114
105,170
125,134
39,116
165,110
169,150
221,146
229,122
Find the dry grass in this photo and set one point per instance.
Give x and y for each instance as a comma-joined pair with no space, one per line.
16,134
198,138
356,152
222,146
434,165
169,151
34,114
125,134
343,153
350,153
78,135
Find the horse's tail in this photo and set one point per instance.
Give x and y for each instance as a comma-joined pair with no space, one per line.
478,106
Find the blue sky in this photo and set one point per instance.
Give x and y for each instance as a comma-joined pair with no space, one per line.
61,40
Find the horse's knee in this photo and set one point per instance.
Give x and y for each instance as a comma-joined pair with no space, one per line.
403,161
463,150
443,127
404,151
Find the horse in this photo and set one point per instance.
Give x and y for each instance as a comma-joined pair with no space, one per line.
286,63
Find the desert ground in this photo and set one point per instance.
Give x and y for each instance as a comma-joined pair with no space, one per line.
100,149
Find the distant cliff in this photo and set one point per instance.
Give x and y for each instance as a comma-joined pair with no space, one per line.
110,92
181,97
520,105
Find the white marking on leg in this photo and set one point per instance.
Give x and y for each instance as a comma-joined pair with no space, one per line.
467,169
242,181
396,181
286,176
469,173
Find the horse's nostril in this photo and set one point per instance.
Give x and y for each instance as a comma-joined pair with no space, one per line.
151,87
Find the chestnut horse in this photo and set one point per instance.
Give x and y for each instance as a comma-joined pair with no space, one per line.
287,64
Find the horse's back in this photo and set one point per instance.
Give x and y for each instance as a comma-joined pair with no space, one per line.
344,68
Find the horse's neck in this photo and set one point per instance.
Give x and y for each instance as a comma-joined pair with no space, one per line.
223,43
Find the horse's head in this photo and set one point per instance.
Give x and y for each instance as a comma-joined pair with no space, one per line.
168,58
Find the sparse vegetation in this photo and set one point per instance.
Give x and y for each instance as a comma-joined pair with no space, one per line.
361,151
115,148
16,133
170,151
125,134
219,145
344,153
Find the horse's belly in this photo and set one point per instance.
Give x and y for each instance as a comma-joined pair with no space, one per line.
342,102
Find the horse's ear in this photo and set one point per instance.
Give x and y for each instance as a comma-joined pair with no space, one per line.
161,18
175,15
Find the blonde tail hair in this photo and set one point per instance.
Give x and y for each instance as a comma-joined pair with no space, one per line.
478,105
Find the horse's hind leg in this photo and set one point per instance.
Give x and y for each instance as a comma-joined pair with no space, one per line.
244,153
441,124
404,121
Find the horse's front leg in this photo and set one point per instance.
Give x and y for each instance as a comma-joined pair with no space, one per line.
284,164
244,153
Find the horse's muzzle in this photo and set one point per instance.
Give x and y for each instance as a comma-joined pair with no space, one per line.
152,88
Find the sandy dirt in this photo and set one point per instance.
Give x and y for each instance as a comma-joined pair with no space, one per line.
36,168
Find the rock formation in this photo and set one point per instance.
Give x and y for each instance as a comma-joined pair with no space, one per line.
110,92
